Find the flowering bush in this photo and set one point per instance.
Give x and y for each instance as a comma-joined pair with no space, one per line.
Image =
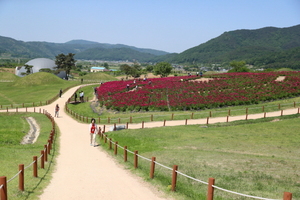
180,93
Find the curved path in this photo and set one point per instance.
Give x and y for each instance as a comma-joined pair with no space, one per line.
86,172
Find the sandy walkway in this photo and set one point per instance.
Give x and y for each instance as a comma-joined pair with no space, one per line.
86,172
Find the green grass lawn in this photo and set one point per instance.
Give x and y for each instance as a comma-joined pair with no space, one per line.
257,157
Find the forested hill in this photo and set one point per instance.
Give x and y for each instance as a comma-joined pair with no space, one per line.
268,47
263,46
10,47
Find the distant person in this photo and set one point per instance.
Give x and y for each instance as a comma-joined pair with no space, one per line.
93,129
75,96
56,110
60,92
127,86
82,96
82,80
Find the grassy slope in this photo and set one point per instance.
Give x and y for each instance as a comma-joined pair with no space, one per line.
258,159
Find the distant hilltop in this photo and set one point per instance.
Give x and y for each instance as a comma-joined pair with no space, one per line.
269,47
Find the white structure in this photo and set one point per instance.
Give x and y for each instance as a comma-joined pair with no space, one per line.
98,69
37,63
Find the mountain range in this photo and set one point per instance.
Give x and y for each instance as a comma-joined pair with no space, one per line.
268,46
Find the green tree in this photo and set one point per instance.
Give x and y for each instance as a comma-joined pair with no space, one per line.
238,66
163,69
28,69
106,65
125,69
65,62
149,68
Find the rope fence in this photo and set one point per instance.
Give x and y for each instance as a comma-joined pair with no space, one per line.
43,158
210,183
33,104
197,115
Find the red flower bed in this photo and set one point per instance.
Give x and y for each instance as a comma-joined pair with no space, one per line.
178,93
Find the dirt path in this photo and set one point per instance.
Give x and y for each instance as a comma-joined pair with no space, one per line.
86,172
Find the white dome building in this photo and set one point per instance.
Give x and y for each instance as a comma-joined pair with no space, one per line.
37,63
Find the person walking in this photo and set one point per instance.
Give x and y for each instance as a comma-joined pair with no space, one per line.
93,129
75,96
56,110
60,92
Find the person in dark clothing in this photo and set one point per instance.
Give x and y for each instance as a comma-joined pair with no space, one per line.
75,96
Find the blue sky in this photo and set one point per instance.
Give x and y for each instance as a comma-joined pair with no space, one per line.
168,25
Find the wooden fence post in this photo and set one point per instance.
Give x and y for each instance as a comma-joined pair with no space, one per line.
125,153
172,116
21,177
142,124
151,118
42,160
110,143
116,148
207,120
287,196
164,122
126,125
174,177
45,153
135,159
49,147
192,116
35,171
227,118
3,191
152,167
210,189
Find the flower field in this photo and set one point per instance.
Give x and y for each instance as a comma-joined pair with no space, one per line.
190,93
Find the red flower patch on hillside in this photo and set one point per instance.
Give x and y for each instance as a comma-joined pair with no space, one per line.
178,93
